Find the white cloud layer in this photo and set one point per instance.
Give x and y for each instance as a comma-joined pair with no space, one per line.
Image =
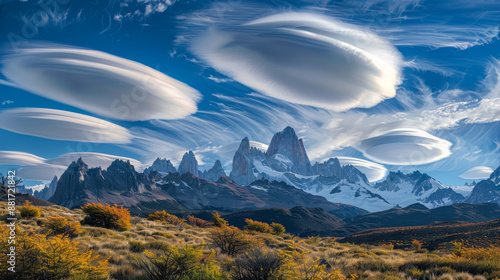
92,159
19,158
405,147
478,172
100,83
37,168
373,171
62,125
304,58
42,172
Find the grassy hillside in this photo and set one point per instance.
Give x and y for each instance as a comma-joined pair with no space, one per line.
179,246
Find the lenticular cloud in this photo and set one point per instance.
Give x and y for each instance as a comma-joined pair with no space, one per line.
478,172
373,171
405,147
305,58
100,83
19,158
62,125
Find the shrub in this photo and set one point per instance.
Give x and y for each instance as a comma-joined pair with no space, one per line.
28,211
163,216
258,226
258,263
417,245
231,240
278,228
197,222
136,246
217,221
298,266
57,257
111,217
477,254
60,225
176,263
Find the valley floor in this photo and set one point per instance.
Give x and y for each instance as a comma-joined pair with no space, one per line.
310,258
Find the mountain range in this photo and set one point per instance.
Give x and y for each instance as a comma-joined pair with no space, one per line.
251,183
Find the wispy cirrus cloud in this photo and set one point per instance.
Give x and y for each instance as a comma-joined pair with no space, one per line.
99,83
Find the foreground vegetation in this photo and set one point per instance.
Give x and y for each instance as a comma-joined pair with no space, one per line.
104,242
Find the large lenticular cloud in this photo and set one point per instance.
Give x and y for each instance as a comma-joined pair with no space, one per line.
100,83
405,147
305,58
62,125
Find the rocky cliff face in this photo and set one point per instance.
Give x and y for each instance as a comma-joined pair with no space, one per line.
214,173
287,153
332,168
495,176
243,171
162,165
484,191
405,189
189,164
225,194
120,184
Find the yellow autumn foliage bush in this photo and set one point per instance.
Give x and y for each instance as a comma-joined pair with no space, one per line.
38,256
111,217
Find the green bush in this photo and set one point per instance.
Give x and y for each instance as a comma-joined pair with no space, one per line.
111,217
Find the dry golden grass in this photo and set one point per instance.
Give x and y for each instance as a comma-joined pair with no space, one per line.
366,261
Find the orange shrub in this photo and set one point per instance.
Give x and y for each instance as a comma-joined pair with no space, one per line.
197,222
163,216
417,245
60,225
112,217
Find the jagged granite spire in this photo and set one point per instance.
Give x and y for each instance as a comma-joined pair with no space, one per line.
162,165
286,146
214,173
189,164
242,172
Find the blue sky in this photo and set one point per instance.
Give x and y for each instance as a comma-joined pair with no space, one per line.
385,85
